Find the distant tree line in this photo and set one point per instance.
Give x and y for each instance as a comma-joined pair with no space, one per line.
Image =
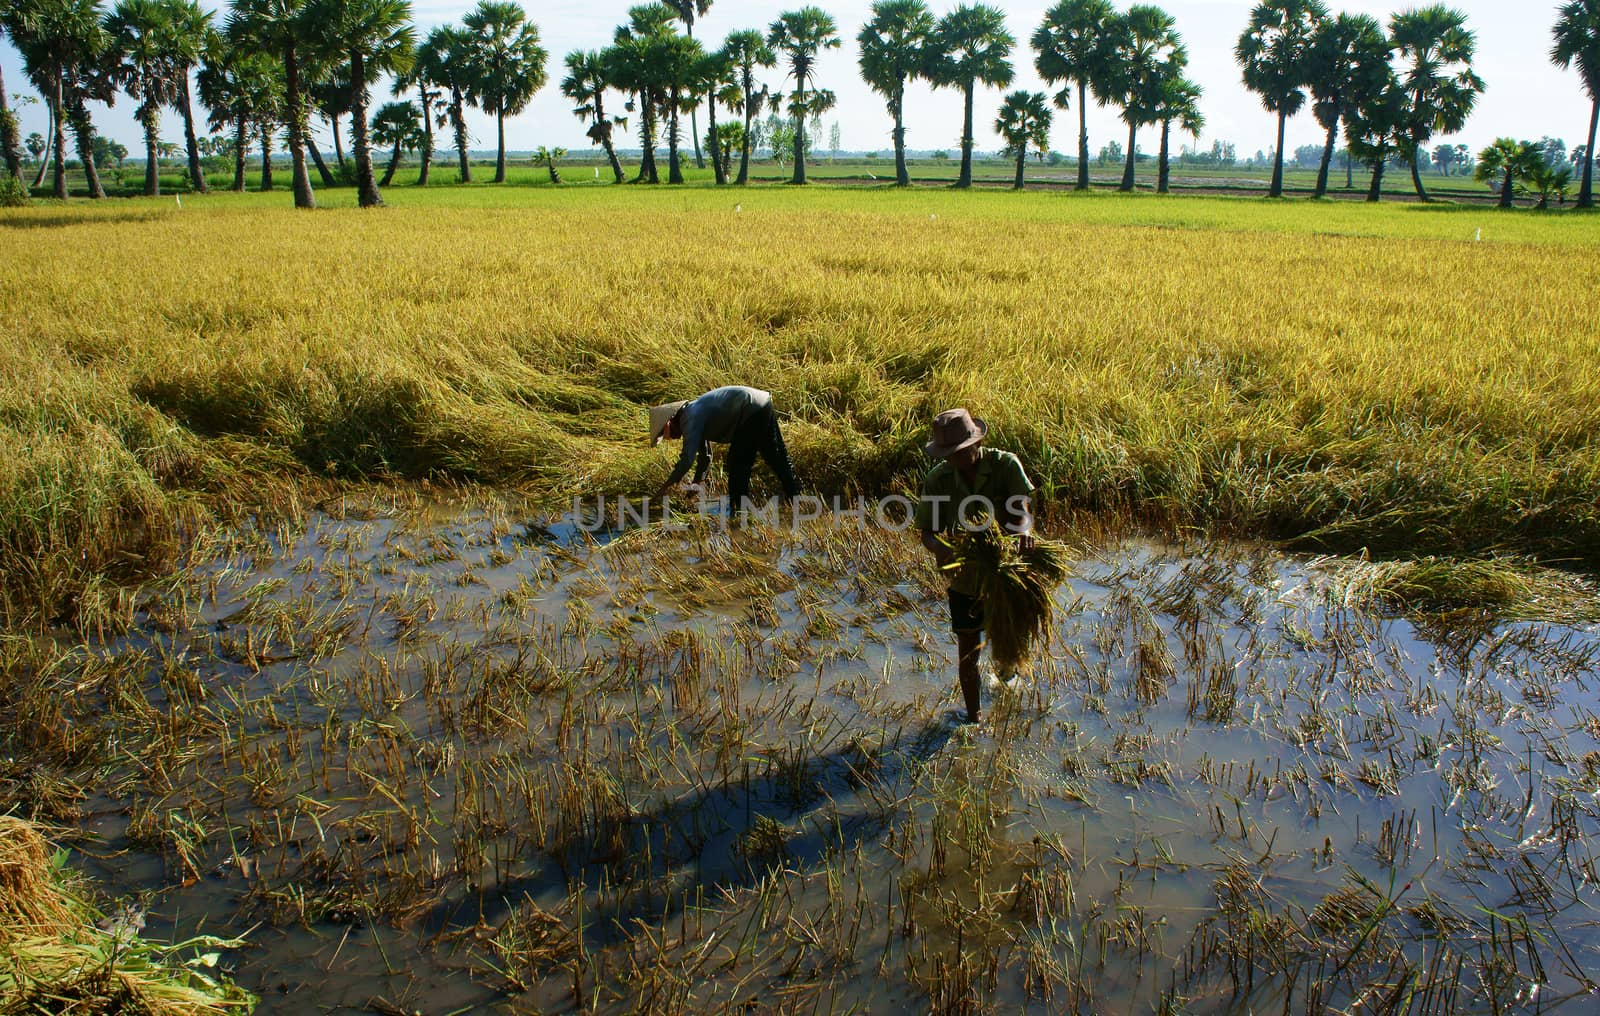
266,67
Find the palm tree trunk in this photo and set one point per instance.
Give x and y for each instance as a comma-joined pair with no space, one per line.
197,173
1375,192
83,130
1022,163
1327,160
303,197
1162,169
46,157
1508,188
1083,138
1586,188
10,144
266,157
152,140
1416,178
338,142
394,164
1277,160
749,123
965,179
800,72
674,170
361,134
647,139
500,159
427,137
316,157
459,119
694,119
59,188
719,164
1127,170
241,141
902,175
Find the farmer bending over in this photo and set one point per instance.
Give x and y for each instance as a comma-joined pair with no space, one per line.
972,483
743,419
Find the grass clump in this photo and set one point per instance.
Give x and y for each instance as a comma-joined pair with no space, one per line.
1017,587
1433,584
57,954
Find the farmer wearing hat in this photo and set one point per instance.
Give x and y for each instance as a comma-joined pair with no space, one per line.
970,485
740,417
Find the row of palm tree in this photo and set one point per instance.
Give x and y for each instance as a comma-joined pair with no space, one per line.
270,64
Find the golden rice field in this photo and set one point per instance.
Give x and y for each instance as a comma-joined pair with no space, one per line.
324,701
1406,379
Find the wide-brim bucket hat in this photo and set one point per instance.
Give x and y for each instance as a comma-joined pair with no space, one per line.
954,430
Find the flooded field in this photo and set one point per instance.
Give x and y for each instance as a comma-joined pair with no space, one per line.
449,759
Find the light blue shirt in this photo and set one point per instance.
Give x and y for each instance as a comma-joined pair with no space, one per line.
715,416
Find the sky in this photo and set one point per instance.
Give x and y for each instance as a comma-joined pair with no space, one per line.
1526,95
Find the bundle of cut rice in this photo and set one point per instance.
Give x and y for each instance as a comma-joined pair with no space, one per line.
55,957
1016,586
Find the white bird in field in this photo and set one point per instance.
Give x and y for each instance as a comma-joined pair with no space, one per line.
737,209
179,199
597,172
872,176
931,218
1479,235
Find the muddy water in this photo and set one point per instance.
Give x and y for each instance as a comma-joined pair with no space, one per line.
452,759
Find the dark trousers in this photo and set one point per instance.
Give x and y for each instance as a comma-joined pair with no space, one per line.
758,435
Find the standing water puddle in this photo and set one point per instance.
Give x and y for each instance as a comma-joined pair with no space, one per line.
448,760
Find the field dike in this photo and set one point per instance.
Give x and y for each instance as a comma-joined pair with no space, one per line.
1342,377
457,757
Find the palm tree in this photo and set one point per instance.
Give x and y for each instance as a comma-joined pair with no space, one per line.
507,65
715,81
330,96
190,33
1149,51
549,158
1577,35
748,50
278,27
586,85
1273,52
418,77
139,35
801,36
1439,81
1076,44
242,89
1510,161
970,44
636,63
1348,63
1178,99
395,126
376,37
688,11
1024,122
679,57
1548,178
1375,128
442,59
893,51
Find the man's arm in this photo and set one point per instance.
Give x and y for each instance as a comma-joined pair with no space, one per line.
694,431
941,551
702,462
